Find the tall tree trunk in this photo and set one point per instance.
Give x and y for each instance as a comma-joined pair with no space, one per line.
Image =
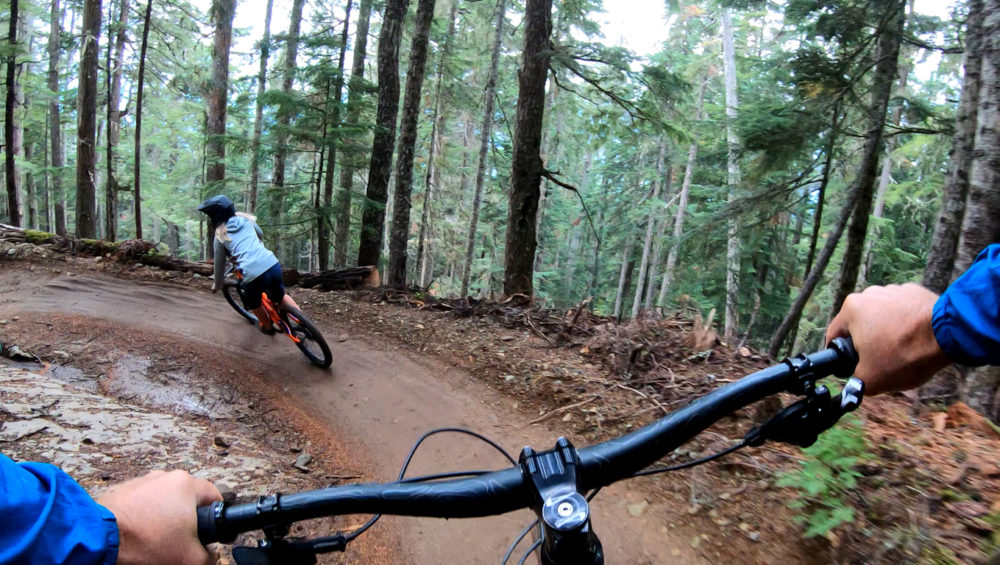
437,128
258,119
887,57
12,176
947,230
526,165
818,215
485,133
623,274
136,170
733,179
323,216
809,285
942,260
661,230
316,176
862,187
903,71
647,244
173,239
86,144
668,271
45,222
110,221
400,235
114,122
68,79
24,39
57,160
595,269
351,160
575,239
463,183
884,180
215,170
981,225
284,118
31,206
373,218
831,144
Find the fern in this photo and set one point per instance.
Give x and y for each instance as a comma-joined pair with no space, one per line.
826,479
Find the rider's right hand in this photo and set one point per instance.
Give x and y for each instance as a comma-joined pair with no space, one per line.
891,329
156,518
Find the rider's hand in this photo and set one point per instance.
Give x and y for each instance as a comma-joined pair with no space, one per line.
156,518
891,328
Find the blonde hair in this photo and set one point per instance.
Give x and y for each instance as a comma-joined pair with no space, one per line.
222,234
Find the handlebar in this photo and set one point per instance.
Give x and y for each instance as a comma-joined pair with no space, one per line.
597,466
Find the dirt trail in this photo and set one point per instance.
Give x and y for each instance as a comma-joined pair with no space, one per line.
376,402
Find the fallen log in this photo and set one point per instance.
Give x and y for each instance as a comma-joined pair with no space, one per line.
144,252
130,250
341,279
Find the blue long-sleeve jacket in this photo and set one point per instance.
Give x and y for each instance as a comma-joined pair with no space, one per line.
966,318
46,517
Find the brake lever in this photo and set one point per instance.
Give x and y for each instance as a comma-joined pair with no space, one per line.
293,551
801,423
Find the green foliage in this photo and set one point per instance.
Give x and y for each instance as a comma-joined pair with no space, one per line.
608,112
827,478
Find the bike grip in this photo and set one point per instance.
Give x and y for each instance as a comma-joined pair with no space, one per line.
208,523
844,346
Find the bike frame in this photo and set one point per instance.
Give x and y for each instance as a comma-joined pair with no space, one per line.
270,307
553,482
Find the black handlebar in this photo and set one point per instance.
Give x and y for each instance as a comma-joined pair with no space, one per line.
599,465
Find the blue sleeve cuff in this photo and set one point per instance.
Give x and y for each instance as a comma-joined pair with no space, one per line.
966,317
944,331
112,538
48,518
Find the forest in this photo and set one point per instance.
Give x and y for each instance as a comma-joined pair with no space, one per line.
768,159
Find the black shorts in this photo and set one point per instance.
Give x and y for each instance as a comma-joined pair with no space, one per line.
270,282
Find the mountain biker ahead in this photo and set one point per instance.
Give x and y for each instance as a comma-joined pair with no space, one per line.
238,237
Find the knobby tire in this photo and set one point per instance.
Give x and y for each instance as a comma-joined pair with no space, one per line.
232,293
309,337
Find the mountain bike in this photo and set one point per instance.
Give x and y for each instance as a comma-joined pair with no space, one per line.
284,319
552,483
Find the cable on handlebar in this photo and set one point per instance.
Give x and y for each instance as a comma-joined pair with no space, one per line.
534,546
517,540
419,441
439,476
409,459
694,463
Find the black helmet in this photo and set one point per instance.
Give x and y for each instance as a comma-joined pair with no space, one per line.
219,208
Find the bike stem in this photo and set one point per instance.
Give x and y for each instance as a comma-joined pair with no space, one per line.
564,515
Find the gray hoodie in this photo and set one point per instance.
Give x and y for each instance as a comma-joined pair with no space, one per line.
244,249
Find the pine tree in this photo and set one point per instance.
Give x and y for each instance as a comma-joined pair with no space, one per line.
526,165
400,233
86,144
373,218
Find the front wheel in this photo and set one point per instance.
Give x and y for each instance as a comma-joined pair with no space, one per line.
311,342
232,293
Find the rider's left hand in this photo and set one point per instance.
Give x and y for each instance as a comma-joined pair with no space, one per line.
156,518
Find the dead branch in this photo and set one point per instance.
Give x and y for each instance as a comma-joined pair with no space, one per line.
560,410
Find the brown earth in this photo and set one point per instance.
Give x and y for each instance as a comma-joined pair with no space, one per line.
401,369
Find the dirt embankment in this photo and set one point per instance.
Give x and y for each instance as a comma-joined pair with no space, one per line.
928,489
